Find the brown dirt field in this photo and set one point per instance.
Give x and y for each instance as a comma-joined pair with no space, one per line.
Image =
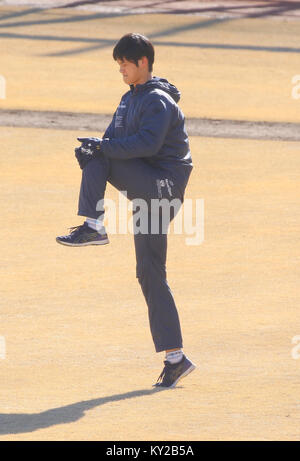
80,361
239,69
195,126
226,9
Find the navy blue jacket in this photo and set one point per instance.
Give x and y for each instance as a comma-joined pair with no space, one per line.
149,124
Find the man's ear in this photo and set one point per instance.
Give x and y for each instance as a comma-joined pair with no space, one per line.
144,61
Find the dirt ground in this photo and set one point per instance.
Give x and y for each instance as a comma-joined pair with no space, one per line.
79,360
234,69
195,126
289,9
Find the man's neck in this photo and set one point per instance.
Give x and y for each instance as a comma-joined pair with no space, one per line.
144,80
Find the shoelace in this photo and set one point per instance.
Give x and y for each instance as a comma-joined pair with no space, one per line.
167,366
75,228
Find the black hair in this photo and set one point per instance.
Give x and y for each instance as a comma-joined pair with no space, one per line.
133,47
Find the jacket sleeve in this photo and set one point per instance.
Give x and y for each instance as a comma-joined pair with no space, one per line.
154,124
109,132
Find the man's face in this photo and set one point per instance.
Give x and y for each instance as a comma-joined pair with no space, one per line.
132,74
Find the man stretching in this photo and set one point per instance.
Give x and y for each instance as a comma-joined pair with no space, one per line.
145,152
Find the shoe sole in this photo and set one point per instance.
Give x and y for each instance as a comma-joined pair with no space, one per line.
101,242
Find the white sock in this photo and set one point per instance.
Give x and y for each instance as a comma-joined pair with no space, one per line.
96,224
91,222
174,356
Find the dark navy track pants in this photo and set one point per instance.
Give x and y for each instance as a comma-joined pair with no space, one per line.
140,180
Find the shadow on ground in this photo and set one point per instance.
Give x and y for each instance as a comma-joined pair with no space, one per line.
272,8
15,423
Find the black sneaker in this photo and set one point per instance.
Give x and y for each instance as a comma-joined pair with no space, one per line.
172,373
81,236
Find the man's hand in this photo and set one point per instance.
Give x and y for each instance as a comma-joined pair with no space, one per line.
89,149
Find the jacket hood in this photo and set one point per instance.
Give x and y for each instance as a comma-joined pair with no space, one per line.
161,84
